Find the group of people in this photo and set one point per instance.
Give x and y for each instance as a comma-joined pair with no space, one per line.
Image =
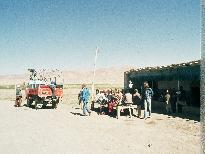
126,97
108,99
115,97
175,100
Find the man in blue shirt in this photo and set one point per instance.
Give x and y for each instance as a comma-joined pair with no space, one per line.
85,95
147,98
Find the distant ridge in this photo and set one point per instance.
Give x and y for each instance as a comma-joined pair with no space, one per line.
110,75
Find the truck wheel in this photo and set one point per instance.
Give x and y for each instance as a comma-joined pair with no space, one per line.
36,103
43,106
57,101
54,105
29,102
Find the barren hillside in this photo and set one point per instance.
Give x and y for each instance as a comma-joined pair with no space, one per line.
103,76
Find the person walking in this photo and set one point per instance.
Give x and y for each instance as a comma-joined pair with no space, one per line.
85,98
147,98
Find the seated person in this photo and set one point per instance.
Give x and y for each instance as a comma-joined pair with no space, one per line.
102,100
127,100
112,104
109,96
128,97
100,97
119,96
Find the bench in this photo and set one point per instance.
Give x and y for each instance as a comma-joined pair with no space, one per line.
97,103
128,106
119,107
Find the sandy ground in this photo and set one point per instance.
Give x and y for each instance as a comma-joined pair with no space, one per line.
27,131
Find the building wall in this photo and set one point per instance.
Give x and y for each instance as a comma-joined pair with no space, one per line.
174,84
167,79
192,89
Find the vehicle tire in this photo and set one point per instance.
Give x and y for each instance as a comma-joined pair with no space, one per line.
29,102
57,101
54,104
36,103
43,106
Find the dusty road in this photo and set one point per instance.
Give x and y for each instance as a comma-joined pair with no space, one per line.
63,131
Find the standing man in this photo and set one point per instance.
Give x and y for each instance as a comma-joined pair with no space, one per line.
173,100
85,98
18,100
181,100
167,102
147,98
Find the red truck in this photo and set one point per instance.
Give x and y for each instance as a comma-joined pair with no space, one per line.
41,94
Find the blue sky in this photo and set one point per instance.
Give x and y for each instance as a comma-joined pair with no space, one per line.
64,33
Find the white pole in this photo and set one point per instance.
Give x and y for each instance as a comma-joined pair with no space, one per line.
93,82
15,93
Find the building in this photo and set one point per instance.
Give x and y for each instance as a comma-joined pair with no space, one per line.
169,77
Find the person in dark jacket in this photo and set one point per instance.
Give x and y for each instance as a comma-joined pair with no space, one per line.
173,100
181,100
137,100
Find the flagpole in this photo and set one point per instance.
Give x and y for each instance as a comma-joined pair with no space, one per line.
93,82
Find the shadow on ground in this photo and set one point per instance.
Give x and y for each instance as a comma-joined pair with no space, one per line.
43,107
113,114
187,117
179,115
76,113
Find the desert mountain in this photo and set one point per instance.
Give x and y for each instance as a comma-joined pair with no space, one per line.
110,75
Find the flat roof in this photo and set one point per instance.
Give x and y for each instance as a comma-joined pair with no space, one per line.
172,66
183,71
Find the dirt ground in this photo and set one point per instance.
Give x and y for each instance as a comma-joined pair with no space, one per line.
28,131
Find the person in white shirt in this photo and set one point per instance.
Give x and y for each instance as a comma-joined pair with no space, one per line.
130,84
128,97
